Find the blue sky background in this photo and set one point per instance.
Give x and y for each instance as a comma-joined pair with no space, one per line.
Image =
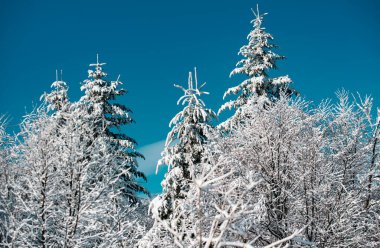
153,44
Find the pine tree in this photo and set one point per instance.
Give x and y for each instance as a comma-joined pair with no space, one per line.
184,146
109,117
257,62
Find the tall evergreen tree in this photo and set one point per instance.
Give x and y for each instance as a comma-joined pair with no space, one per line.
109,117
184,145
258,60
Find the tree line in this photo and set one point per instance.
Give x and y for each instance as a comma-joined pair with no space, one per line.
280,172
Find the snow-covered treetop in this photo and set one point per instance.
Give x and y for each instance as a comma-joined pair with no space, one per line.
98,73
99,94
57,99
192,123
94,86
191,126
258,60
194,112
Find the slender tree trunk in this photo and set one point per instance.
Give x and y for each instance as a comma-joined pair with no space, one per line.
372,165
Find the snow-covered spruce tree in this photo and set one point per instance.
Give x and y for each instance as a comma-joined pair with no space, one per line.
183,154
57,103
57,100
259,87
114,227
184,145
108,117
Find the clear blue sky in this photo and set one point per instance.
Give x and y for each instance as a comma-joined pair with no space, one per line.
153,44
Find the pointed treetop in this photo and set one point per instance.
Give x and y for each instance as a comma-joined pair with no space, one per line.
190,81
57,99
58,83
258,17
257,13
56,76
97,65
196,77
191,91
98,72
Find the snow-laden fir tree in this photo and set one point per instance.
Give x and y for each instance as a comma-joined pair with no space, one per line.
109,117
184,145
57,99
258,60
